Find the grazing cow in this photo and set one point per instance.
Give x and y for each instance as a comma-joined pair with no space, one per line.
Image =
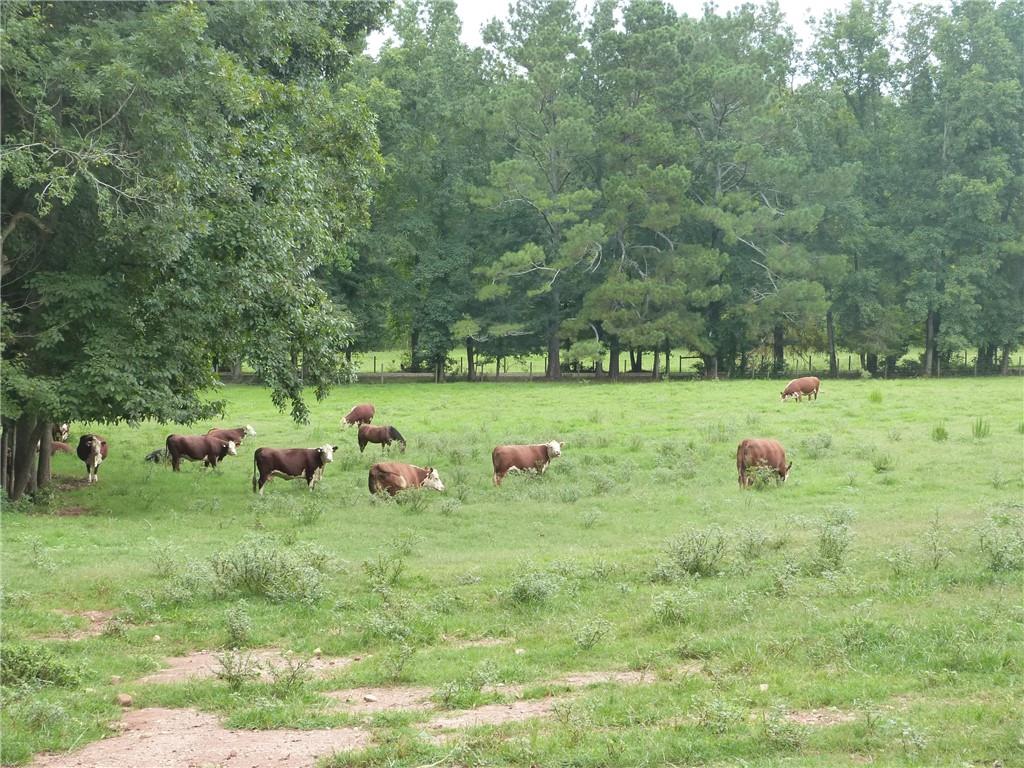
238,434
360,414
57,446
506,458
61,432
392,477
203,448
761,452
92,449
806,385
156,456
383,435
290,463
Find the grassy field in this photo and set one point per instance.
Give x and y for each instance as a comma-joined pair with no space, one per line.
868,611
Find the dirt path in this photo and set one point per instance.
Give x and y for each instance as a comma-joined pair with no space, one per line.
204,665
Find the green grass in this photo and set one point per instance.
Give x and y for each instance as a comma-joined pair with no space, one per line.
882,579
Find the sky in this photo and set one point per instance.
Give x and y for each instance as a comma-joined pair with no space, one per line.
476,13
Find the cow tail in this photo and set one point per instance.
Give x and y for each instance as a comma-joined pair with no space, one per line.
255,471
741,466
370,481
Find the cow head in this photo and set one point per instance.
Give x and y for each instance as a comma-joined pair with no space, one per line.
554,449
786,395
62,432
232,451
785,473
327,452
250,431
432,480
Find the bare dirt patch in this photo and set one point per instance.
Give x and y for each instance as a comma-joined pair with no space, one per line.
204,665
820,717
71,512
490,714
69,483
366,700
184,738
480,642
97,621
583,679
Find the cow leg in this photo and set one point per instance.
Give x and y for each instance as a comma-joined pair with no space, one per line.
263,481
497,478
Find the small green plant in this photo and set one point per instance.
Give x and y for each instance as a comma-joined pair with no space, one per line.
589,633
236,669
697,553
533,587
589,518
412,501
981,428
875,396
777,729
394,661
22,664
451,506
900,561
935,544
834,541
1001,539
673,607
405,544
239,625
815,447
716,715
882,462
116,627
939,433
288,677
385,571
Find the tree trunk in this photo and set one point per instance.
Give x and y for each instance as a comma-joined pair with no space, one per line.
6,451
890,365
872,363
929,343
1004,368
554,337
656,368
833,360
497,367
470,362
668,359
414,342
636,360
45,455
614,350
778,349
710,366
26,436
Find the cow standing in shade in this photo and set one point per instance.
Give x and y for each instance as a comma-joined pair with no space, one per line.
236,435
92,449
360,414
806,385
383,435
290,463
761,452
392,477
507,458
209,450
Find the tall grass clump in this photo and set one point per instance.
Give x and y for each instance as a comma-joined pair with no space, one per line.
834,540
533,587
697,553
981,428
875,396
262,567
882,462
816,446
1001,539
939,433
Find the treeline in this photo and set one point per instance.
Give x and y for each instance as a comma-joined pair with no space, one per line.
640,180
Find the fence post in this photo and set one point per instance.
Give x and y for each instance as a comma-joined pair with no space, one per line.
374,363
382,372
531,370
849,363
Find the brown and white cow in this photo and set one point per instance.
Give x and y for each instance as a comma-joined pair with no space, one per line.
761,452
805,385
507,458
237,435
57,446
61,432
392,477
290,463
92,449
204,448
360,414
368,433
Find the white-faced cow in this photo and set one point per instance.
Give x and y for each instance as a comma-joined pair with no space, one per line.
204,448
392,477
761,452
507,458
290,463
360,414
92,449
806,385
383,435
236,435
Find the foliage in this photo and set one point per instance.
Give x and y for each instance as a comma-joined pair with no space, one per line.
22,663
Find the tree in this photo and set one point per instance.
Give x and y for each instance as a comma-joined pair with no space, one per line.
168,197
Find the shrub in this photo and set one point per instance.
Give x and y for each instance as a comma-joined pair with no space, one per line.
22,664
833,543
981,428
589,633
394,661
673,607
940,433
882,462
589,518
385,571
698,553
236,669
934,544
533,587
1001,539
260,566
761,477
815,447
239,625
900,561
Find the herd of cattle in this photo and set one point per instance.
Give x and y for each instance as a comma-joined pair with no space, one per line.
391,477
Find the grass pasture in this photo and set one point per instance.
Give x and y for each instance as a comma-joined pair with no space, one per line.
868,611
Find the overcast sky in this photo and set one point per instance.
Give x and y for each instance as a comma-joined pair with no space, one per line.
476,13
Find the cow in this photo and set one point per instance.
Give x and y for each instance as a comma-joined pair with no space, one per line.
92,449
237,435
506,458
59,447
360,414
806,385
156,456
392,477
383,435
290,463
61,432
761,452
203,448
